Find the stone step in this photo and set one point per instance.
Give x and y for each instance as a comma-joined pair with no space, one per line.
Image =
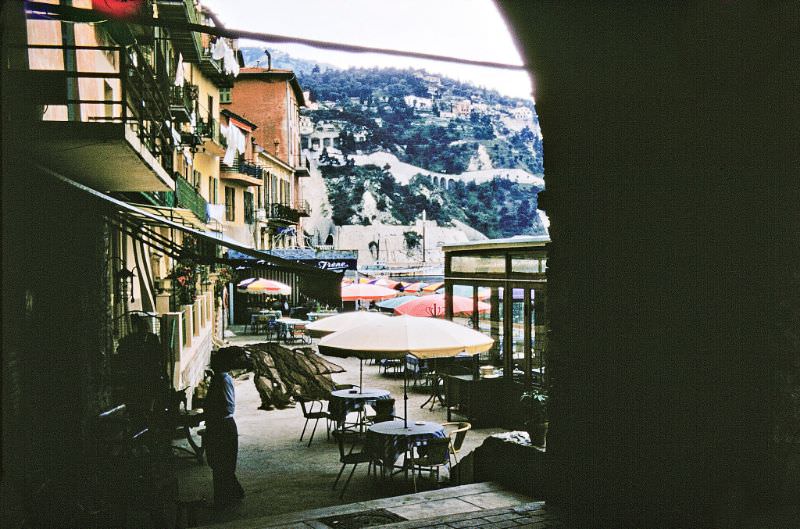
441,507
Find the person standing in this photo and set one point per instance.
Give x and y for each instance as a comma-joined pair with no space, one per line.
140,370
222,435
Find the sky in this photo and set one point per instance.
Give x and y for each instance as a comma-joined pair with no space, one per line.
471,29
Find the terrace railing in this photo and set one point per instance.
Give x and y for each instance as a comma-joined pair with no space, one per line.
282,212
131,91
188,197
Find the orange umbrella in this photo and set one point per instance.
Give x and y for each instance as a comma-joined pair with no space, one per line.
366,292
433,306
433,287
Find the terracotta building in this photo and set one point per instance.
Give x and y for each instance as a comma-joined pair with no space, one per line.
271,99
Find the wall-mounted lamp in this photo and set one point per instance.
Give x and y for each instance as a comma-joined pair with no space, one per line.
121,277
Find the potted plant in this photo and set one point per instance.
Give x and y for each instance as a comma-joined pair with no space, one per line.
535,402
184,283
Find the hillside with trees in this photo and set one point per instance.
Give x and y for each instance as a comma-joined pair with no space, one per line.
431,122
498,208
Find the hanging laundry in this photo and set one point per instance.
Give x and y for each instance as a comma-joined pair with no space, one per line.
236,144
229,63
179,71
218,49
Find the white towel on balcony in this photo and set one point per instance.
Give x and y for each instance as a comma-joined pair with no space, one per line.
218,49
229,62
179,76
236,144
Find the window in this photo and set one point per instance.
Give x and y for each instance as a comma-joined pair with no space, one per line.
230,204
225,95
196,176
249,217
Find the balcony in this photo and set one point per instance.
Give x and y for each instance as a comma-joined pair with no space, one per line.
181,13
282,213
214,70
303,209
302,167
188,197
105,124
210,136
243,171
182,102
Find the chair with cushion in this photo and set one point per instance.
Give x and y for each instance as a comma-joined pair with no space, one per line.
348,456
430,457
456,432
310,413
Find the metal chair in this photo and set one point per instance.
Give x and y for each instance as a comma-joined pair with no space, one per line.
456,432
307,405
349,457
384,411
430,457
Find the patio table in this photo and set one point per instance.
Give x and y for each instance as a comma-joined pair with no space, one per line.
288,328
344,401
391,439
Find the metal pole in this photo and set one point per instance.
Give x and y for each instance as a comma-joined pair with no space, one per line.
424,218
360,375
405,395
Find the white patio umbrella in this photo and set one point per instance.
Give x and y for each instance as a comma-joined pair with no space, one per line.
342,322
401,335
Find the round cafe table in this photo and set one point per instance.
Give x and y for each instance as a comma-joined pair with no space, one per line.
390,439
343,401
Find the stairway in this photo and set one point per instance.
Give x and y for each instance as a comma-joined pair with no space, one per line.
479,504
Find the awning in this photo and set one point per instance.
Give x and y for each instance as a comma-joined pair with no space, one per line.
333,260
180,215
147,227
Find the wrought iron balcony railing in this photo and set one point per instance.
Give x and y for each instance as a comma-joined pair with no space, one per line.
188,197
182,100
303,209
285,213
133,94
244,167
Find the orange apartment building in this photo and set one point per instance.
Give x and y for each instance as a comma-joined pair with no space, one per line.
271,99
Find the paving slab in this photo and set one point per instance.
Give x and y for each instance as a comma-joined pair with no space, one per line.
495,499
433,509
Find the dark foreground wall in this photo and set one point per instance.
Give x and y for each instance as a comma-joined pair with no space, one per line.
55,341
670,142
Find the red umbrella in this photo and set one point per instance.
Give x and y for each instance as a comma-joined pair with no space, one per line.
434,306
366,292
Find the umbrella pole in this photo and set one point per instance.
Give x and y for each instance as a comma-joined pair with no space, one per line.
361,375
405,395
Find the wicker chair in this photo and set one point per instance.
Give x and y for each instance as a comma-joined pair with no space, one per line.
456,432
